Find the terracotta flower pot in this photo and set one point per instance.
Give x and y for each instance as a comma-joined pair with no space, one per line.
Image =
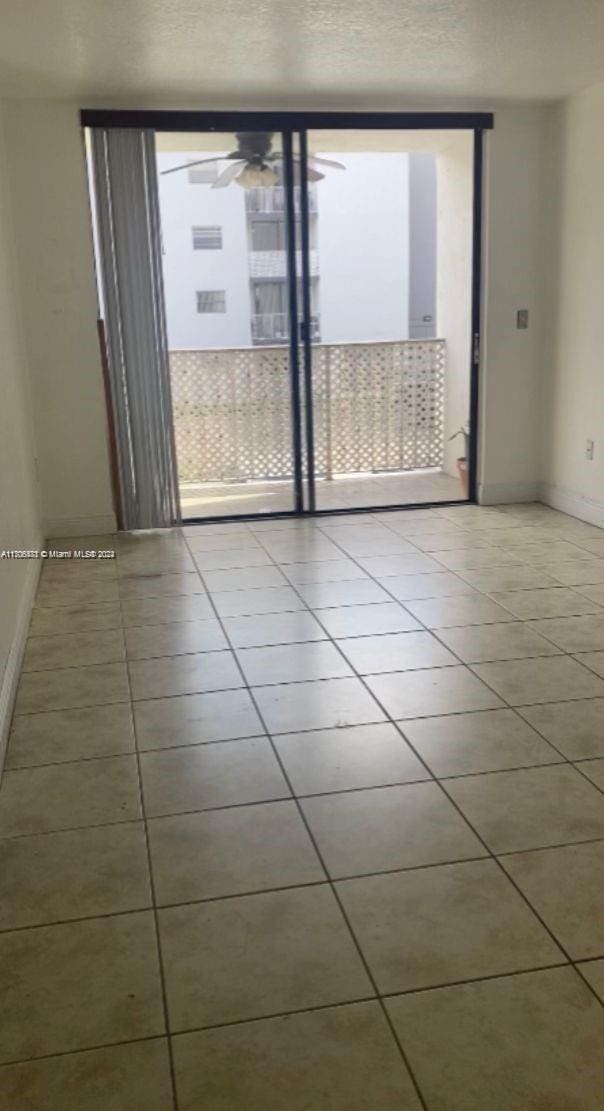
462,470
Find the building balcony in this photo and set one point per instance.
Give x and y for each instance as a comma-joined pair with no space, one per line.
273,327
273,264
271,201
378,408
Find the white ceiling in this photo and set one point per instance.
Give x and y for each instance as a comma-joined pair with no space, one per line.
299,53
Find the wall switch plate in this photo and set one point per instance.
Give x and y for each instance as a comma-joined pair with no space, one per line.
589,449
522,318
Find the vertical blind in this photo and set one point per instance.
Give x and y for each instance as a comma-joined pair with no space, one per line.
129,241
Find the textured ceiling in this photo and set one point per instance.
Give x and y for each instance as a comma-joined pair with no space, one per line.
299,53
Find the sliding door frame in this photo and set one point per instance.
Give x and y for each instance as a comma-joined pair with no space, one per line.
297,124
477,210
306,331
294,324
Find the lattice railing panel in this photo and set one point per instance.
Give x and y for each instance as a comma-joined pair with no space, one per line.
378,407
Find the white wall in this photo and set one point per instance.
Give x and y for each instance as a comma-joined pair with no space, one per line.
454,173
573,372
19,520
515,230
422,245
57,293
184,206
55,259
363,248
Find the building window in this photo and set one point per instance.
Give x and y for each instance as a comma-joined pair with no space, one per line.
211,300
207,239
202,175
270,297
268,235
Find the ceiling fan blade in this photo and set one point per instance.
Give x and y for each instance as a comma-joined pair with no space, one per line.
227,175
326,162
187,165
202,162
312,175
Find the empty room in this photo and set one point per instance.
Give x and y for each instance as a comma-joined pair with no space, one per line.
301,556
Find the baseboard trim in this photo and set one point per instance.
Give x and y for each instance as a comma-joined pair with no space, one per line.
55,527
12,671
503,493
576,505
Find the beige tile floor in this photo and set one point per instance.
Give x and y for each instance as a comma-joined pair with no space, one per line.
304,815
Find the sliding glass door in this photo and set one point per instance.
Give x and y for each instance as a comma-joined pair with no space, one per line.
390,241
321,293
230,290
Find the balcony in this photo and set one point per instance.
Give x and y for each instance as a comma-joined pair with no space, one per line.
273,327
378,410
273,264
272,201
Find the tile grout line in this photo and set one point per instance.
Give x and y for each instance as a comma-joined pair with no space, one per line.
332,887
160,959
286,644
419,717
287,1014
385,996
202,900
398,724
573,656
300,682
288,798
586,777
279,1014
99,1046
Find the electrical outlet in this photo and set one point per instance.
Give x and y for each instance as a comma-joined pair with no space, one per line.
589,449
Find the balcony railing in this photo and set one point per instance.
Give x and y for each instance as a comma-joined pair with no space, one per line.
273,327
271,200
273,264
378,407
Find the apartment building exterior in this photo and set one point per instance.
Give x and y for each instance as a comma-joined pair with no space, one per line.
225,261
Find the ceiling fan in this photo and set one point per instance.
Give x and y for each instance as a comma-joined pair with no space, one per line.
252,163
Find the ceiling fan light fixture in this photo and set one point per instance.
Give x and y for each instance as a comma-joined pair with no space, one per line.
253,177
